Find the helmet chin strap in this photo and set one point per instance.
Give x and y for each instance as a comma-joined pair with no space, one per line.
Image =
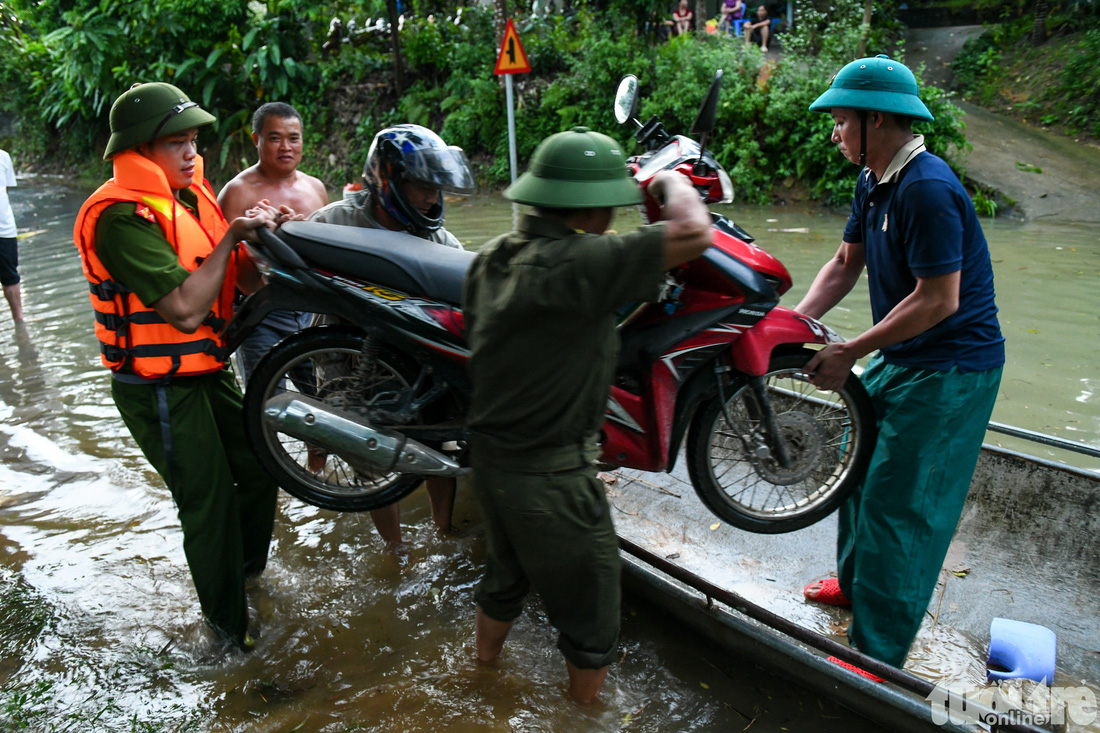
863,137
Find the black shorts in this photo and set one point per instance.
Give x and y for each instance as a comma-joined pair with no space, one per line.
9,261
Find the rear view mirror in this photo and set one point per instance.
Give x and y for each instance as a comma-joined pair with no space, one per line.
626,99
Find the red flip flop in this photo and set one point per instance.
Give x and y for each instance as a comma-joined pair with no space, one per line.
854,668
830,593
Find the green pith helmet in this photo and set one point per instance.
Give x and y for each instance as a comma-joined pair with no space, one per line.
145,112
579,169
876,85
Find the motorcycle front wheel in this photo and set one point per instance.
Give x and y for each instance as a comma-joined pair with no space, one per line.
733,463
326,364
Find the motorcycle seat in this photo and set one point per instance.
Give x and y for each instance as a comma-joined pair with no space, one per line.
396,260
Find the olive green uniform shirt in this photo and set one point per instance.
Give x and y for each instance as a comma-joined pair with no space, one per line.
540,308
136,253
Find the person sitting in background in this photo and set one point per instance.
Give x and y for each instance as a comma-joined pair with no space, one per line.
730,11
757,31
682,19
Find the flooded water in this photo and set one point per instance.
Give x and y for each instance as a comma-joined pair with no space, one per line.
101,628
101,625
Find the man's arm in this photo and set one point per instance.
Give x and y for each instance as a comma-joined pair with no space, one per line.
834,281
687,221
186,307
934,299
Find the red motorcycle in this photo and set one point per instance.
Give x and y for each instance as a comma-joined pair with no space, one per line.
353,417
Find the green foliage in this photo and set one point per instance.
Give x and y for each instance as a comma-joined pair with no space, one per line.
66,60
1080,85
1066,68
582,95
984,205
976,65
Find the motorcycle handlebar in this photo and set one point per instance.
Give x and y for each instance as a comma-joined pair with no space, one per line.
279,249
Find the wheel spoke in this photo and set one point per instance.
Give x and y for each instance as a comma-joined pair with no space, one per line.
821,434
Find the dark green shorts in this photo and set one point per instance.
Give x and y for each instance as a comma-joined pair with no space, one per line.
552,532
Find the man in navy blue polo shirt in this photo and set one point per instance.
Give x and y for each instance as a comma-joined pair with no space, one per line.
940,353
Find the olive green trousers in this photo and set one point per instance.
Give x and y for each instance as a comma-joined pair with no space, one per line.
552,532
191,430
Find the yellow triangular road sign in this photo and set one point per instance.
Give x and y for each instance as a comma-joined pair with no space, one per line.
512,59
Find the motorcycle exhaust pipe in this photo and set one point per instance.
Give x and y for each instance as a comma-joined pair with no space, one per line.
364,446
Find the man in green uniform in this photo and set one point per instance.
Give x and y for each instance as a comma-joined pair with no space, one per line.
540,308
162,264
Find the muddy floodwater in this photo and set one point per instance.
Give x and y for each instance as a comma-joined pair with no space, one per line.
100,625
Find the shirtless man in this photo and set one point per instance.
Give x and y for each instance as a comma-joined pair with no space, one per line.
277,133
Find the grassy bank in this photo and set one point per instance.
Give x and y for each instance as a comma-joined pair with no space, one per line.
1054,84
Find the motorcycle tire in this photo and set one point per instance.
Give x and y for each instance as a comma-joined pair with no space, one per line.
829,435
319,362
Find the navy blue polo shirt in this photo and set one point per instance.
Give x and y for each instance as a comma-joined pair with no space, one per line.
920,222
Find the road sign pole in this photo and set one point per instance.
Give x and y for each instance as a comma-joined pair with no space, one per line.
511,60
511,142
511,124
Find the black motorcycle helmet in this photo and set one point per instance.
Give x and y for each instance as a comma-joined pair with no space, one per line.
414,153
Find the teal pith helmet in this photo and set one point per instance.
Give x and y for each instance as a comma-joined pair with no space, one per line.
578,169
876,84
145,112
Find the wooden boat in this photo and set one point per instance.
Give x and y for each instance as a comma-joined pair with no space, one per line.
1027,548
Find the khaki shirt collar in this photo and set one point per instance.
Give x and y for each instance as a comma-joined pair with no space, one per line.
901,159
541,226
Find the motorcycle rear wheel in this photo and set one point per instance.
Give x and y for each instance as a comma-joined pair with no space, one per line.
320,362
829,435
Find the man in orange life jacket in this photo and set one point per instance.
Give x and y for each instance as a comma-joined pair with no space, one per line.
162,264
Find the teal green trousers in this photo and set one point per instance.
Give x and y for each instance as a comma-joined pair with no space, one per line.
192,431
896,528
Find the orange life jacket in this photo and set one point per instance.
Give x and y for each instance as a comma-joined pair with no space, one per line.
134,338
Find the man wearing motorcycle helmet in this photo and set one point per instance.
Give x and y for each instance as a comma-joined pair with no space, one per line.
540,311
408,170
934,378
162,265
